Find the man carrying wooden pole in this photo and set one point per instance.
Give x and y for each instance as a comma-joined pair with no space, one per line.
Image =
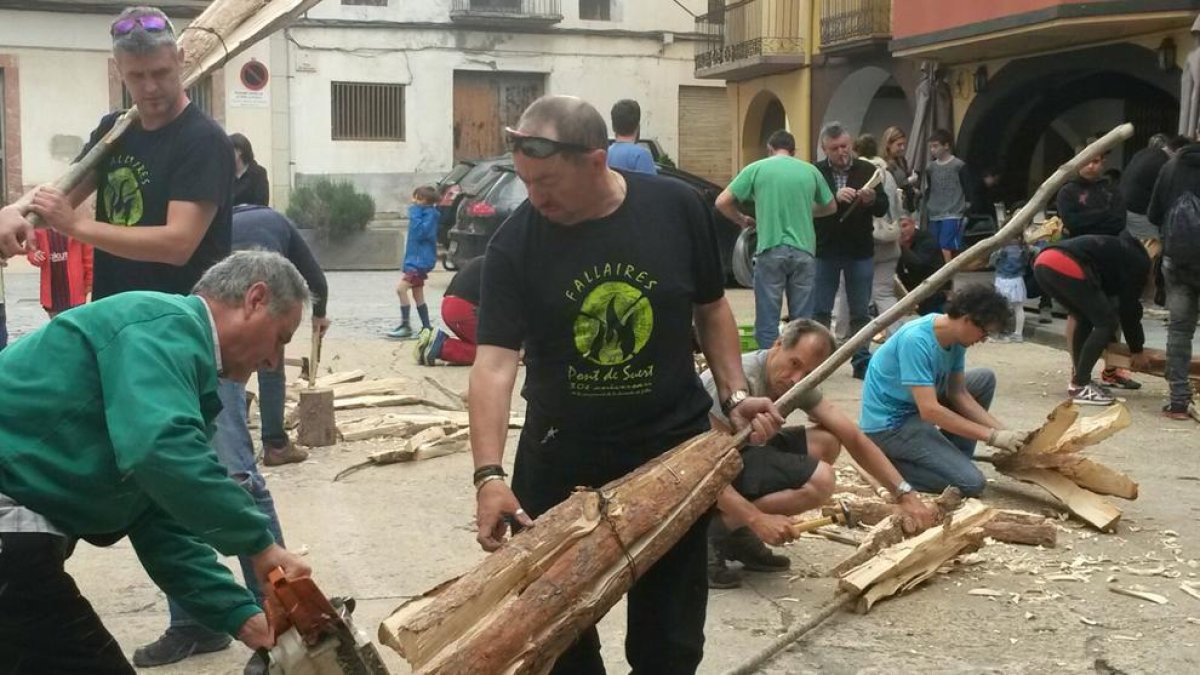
163,216
599,277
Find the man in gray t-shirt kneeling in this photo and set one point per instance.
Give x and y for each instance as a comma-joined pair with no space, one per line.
793,473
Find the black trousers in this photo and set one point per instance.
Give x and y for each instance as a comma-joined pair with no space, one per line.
1096,318
46,626
667,604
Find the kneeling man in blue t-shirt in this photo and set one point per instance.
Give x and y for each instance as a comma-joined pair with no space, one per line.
923,409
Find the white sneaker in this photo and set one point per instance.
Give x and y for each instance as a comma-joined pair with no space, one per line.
1093,394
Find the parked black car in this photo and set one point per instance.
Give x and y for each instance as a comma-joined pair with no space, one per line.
479,217
468,178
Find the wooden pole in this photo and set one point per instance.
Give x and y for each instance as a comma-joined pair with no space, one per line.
1015,226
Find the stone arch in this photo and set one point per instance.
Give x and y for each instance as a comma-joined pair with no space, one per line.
868,101
765,115
1008,123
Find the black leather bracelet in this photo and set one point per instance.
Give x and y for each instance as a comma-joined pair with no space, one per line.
488,470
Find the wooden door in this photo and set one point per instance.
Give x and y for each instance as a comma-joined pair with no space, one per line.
485,103
705,133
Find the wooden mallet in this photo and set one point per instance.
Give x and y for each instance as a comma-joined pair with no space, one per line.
840,516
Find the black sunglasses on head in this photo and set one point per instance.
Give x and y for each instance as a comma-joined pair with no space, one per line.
541,148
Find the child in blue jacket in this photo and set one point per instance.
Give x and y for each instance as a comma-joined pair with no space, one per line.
420,255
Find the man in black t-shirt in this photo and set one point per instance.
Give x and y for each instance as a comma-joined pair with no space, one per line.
598,277
163,216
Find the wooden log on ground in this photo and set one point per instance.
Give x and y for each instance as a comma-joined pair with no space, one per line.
1117,355
907,564
318,427
526,603
360,387
885,533
1007,526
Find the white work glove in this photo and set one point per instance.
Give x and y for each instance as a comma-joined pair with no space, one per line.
1008,439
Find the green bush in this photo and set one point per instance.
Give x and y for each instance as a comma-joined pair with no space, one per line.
335,210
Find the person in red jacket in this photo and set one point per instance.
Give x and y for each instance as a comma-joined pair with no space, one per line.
66,265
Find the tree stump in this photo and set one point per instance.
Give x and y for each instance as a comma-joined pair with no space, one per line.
318,428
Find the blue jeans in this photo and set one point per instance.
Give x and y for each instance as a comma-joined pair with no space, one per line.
271,389
780,270
1183,305
236,451
859,274
931,459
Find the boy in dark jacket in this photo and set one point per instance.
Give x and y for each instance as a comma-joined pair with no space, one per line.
1090,204
420,255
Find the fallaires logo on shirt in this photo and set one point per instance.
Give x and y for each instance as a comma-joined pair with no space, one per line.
122,190
614,323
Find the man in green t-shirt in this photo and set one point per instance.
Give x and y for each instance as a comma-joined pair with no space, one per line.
106,416
787,193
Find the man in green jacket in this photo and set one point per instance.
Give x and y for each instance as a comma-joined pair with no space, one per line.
106,414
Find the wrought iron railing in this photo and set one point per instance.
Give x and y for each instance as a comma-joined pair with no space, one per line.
853,21
747,29
507,8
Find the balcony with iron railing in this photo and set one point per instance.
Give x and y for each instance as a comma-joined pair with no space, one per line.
501,13
852,25
751,38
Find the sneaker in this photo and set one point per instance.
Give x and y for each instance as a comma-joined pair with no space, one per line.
401,332
1073,389
1119,378
257,665
1176,411
1016,338
745,547
1093,394
288,454
1000,339
719,574
176,644
423,338
434,350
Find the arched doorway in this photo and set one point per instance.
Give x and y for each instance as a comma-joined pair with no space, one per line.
869,101
764,116
1035,112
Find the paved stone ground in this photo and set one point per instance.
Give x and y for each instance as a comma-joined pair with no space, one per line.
388,533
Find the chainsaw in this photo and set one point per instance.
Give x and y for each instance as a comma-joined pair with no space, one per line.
314,634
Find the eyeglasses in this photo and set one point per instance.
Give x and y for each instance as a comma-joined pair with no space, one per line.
537,147
150,23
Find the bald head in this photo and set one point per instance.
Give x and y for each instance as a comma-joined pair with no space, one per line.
567,119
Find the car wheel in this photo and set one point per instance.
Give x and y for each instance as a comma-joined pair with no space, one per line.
743,257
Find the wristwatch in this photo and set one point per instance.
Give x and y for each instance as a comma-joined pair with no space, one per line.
903,488
734,399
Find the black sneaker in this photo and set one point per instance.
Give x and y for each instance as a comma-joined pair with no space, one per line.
745,547
719,574
176,644
256,666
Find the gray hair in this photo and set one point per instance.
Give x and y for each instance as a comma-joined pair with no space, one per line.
798,328
831,131
228,281
573,120
140,41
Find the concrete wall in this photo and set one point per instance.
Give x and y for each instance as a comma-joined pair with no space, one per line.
601,67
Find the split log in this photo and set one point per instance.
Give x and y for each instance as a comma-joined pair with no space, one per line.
318,428
526,603
1089,506
387,401
334,379
905,565
1051,460
1007,526
887,532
